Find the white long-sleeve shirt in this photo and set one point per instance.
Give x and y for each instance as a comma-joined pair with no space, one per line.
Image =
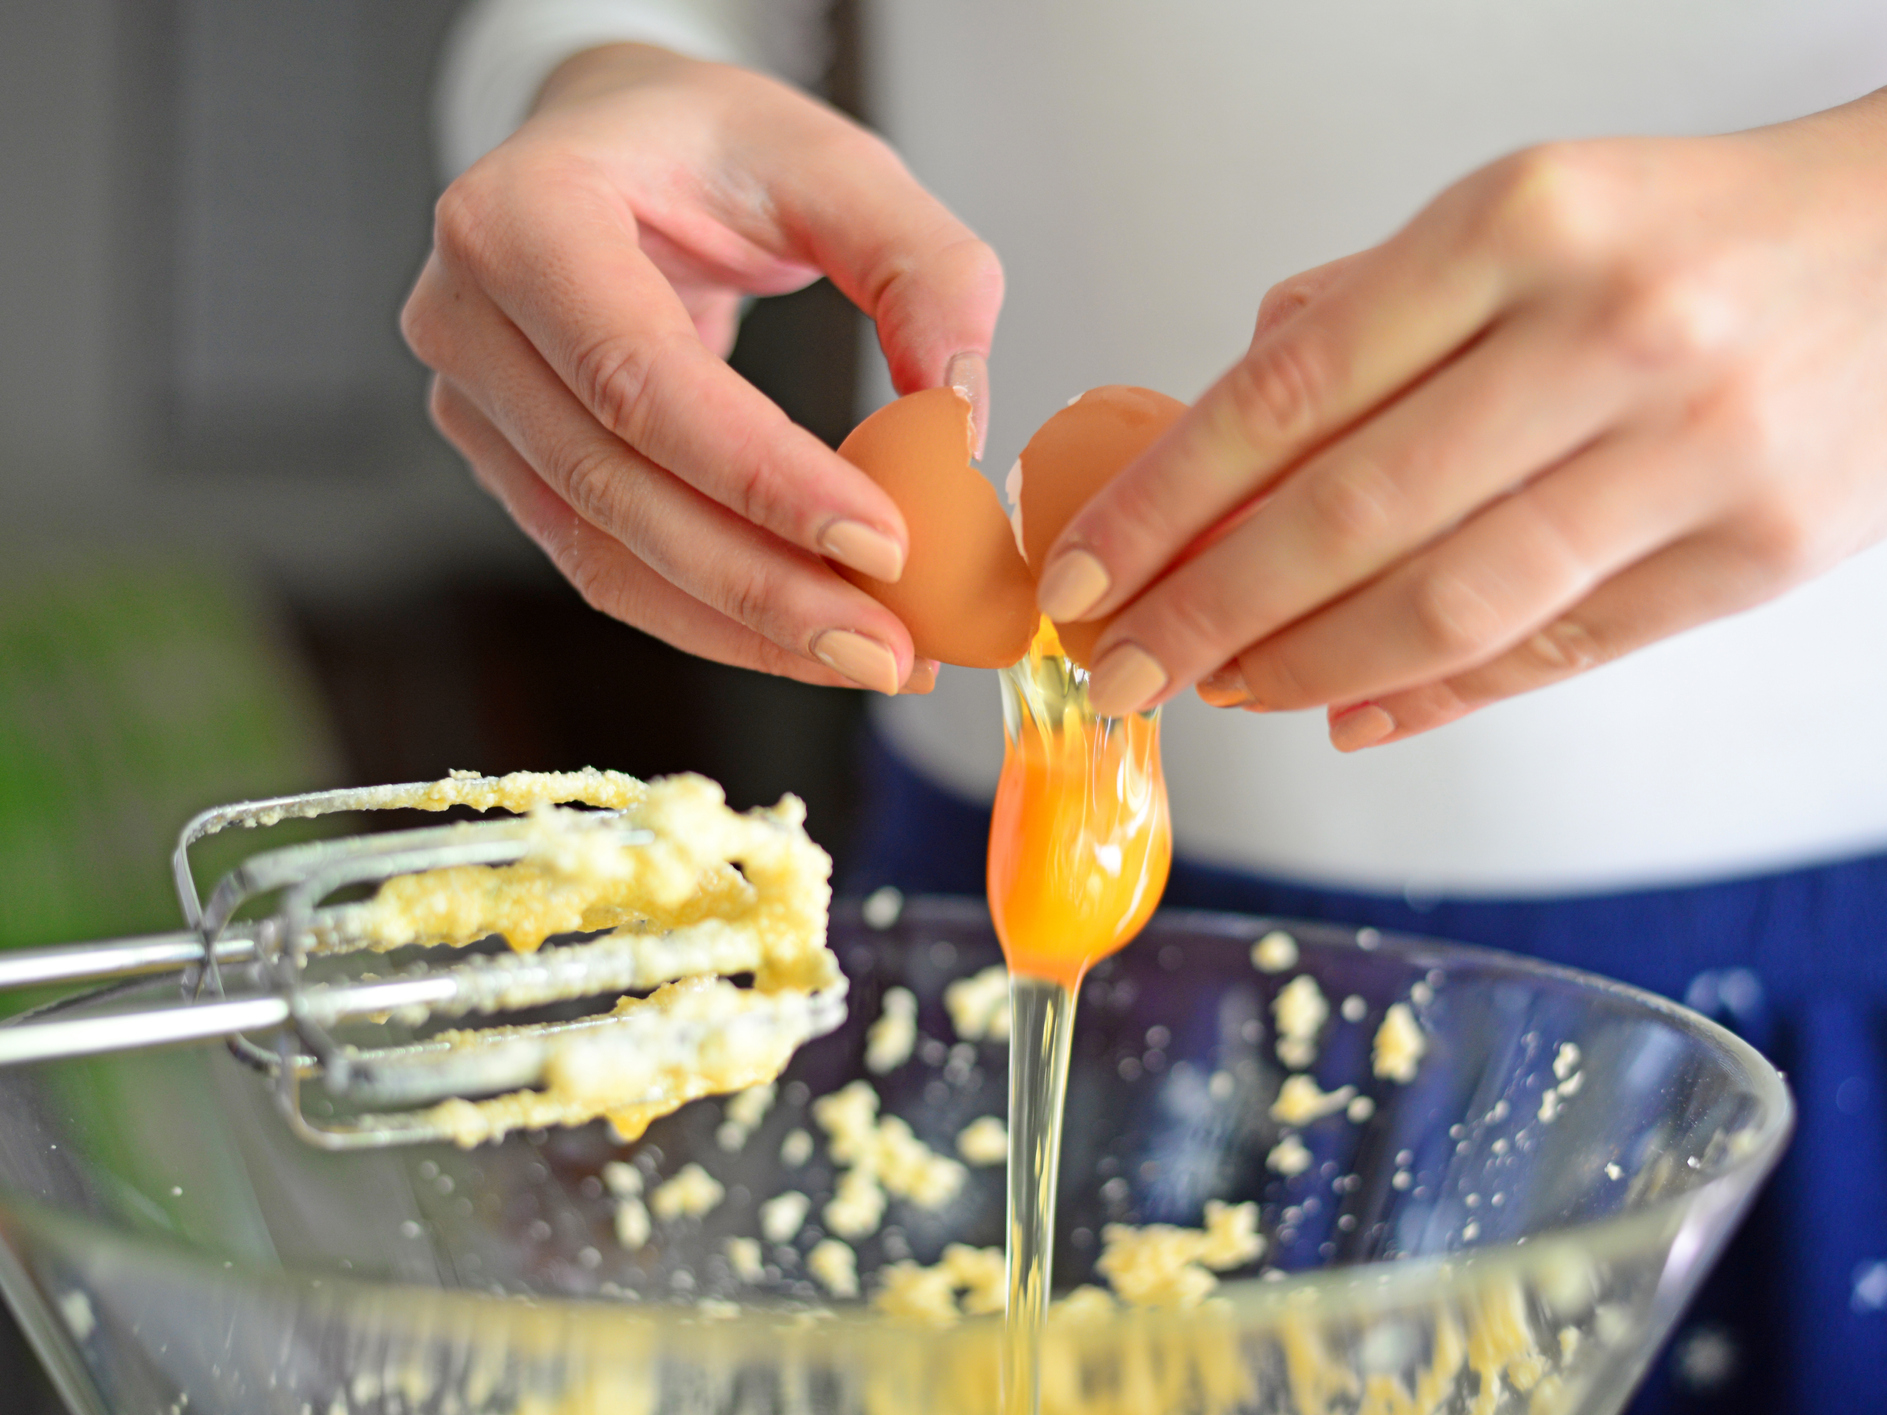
1145,173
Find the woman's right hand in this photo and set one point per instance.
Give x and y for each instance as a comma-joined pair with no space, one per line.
582,294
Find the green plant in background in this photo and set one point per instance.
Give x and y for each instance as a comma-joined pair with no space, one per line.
132,694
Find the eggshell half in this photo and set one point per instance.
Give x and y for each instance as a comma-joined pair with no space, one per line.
966,595
1072,456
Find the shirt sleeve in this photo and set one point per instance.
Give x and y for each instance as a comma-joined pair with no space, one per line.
499,52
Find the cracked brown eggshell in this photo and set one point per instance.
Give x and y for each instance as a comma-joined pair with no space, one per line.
966,595
1073,455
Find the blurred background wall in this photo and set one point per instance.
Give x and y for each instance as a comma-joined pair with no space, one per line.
212,211
234,557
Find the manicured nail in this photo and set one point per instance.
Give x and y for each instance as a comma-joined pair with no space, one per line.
859,657
968,373
923,677
864,549
1361,726
1124,680
1073,584
1564,645
1224,687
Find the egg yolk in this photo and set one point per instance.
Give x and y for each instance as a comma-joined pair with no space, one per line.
1080,841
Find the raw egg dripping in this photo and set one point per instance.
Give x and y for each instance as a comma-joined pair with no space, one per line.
1080,841
1079,848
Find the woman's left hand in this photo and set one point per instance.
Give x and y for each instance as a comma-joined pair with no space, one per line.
1595,394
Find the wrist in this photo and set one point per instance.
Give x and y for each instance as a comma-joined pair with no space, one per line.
608,68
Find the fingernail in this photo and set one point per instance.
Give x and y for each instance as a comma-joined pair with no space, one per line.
968,373
1563,645
1224,687
1361,726
1124,680
864,549
859,657
1073,585
923,677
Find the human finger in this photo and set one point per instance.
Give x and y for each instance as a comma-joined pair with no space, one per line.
1471,431
1679,587
729,563
1386,320
771,185
1224,687
923,677
1294,293
607,576
1487,586
564,265
929,284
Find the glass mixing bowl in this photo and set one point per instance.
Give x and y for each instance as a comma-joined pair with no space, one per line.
1513,1229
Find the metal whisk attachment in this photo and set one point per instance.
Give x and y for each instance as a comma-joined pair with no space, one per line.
655,902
